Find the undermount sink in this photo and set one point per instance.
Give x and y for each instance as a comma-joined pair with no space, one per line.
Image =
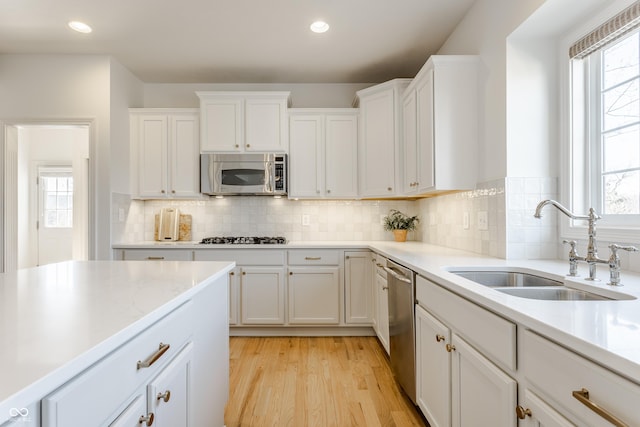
553,294
532,286
507,279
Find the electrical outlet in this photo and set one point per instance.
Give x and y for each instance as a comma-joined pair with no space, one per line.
121,214
483,220
305,219
465,220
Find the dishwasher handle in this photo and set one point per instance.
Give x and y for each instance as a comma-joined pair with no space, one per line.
397,275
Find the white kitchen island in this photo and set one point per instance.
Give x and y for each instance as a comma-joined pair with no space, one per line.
73,333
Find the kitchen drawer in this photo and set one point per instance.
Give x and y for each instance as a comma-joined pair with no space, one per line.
157,254
493,335
314,257
242,256
555,373
90,398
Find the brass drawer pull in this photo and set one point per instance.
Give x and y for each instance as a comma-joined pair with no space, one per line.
162,349
439,338
164,396
313,258
450,348
155,257
147,420
583,397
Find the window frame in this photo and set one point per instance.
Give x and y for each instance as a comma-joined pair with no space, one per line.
577,129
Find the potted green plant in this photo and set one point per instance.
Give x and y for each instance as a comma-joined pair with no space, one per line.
400,223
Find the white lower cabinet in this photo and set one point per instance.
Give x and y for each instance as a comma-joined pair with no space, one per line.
256,286
262,295
535,412
136,410
314,295
168,394
583,392
91,398
433,369
481,393
234,294
358,287
164,401
462,351
380,300
154,255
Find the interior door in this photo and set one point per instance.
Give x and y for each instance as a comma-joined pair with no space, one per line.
55,214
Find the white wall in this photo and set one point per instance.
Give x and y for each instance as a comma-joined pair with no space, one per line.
40,88
126,91
483,31
57,87
338,95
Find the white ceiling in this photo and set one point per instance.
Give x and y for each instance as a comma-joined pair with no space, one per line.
239,41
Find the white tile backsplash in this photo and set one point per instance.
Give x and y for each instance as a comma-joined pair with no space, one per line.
257,216
513,232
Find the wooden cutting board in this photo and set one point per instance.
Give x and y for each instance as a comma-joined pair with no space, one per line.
184,232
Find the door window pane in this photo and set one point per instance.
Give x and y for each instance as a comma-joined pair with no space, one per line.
58,200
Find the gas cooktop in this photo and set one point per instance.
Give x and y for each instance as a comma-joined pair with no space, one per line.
230,240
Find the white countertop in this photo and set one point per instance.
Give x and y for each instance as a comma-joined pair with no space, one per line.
607,332
59,319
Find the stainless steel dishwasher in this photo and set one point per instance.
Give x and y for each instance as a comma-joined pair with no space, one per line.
401,282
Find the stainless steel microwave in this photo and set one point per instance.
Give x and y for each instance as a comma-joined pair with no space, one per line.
243,174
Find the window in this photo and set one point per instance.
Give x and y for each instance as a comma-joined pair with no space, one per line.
616,116
605,155
57,199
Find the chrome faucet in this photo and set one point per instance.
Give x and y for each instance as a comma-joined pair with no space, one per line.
592,249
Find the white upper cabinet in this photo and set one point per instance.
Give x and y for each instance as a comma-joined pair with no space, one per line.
440,110
323,153
244,121
380,139
165,153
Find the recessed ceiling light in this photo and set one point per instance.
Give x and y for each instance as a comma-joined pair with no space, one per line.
319,27
80,27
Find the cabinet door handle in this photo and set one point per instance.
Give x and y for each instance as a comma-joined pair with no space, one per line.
231,273
522,413
155,257
146,419
162,349
439,337
164,396
451,347
583,397
313,258
384,288
248,145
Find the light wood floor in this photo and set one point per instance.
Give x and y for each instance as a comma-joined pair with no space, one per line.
323,382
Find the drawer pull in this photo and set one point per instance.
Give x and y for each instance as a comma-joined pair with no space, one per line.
451,347
439,338
162,349
155,257
164,396
313,258
583,397
146,419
